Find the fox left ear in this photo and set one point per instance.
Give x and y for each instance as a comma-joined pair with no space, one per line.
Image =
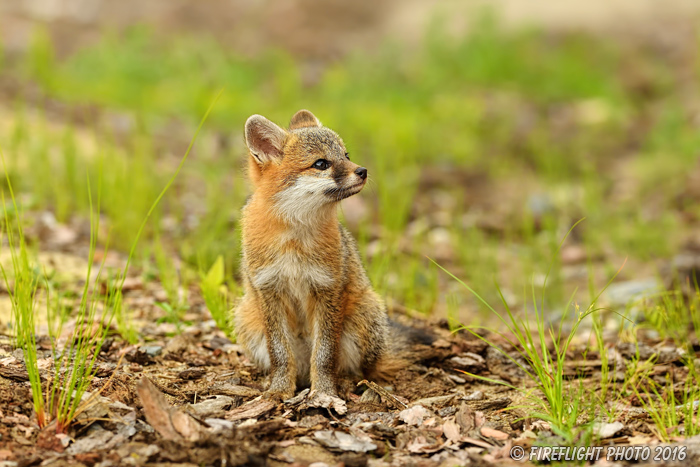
303,119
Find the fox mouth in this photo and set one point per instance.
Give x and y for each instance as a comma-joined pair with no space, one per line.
340,193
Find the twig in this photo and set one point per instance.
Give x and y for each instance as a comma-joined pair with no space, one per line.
383,393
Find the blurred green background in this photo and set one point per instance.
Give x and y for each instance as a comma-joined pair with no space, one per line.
487,134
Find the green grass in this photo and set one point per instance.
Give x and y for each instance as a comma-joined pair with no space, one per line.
672,405
556,400
541,350
59,400
607,395
544,353
674,316
216,296
171,280
23,293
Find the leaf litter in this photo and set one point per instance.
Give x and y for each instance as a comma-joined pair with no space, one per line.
185,400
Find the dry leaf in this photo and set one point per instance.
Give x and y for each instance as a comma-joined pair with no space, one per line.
465,418
476,442
170,422
418,444
185,425
495,434
415,415
424,444
344,441
451,430
640,439
326,401
607,430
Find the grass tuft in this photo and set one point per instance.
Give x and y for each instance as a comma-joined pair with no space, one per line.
543,353
61,400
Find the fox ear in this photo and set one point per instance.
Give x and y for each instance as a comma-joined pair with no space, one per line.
264,139
303,119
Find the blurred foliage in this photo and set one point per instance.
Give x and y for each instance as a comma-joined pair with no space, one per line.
551,116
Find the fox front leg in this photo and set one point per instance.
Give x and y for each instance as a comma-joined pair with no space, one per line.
325,348
283,370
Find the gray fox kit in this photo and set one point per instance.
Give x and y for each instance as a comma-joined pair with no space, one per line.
309,313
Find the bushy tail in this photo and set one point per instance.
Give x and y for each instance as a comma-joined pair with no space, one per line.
399,353
406,336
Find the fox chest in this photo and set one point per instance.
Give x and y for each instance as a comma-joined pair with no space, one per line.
293,274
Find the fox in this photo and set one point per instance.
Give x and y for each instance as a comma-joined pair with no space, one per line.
309,314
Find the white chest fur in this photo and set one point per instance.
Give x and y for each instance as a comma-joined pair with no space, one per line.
293,273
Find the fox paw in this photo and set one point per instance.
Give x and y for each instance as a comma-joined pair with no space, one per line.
277,396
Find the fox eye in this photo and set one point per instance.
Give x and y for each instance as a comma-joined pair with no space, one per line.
321,164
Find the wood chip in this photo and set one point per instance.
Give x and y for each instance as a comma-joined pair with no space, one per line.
17,374
436,402
233,390
252,409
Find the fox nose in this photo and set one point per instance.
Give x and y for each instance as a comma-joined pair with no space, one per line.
361,172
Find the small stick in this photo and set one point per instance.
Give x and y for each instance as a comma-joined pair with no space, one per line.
383,393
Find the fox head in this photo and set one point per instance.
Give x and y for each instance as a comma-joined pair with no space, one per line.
304,170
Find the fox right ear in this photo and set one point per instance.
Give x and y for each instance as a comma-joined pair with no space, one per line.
264,139
303,119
